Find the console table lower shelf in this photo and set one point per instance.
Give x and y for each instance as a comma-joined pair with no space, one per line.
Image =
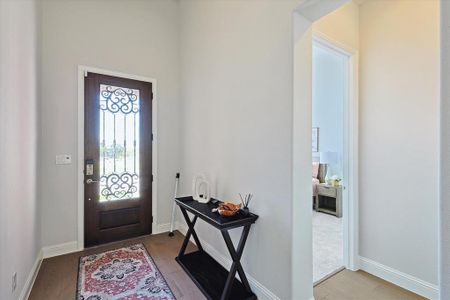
211,277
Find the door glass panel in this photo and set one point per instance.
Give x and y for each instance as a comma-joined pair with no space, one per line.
119,143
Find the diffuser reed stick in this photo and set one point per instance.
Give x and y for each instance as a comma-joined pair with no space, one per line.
246,199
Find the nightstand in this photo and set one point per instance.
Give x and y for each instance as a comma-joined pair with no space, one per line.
329,199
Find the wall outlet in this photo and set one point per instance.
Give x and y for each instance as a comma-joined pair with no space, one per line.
14,282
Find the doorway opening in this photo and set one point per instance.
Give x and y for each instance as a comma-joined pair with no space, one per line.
330,84
117,158
304,34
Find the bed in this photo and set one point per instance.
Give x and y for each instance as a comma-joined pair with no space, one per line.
318,171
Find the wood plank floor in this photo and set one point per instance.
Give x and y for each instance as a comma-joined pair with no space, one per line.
57,278
348,285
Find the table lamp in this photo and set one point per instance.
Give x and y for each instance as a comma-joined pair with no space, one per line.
328,158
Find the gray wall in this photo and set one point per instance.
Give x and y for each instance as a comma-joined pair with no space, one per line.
399,135
236,83
19,234
328,103
135,37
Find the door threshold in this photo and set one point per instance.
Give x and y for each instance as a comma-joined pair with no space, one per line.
118,242
328,276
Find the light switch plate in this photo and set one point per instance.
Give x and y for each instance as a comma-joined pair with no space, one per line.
63,159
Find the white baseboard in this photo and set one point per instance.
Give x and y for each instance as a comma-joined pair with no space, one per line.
161,228
260,290
70,247
60,249
45,252
26,290
183,228
401,279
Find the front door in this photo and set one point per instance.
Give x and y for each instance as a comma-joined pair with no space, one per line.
118,158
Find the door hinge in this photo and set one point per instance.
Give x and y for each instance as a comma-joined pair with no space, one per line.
152,136
85,73
152,219
152,177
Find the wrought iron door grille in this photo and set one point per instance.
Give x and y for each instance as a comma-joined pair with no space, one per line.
119,143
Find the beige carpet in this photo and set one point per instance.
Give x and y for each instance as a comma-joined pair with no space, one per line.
327,245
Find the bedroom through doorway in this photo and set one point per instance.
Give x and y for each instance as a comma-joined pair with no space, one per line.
330,81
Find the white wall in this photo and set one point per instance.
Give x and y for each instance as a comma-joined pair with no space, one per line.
444,272
236,83
19,234
135,37
399,143
341,25
329,71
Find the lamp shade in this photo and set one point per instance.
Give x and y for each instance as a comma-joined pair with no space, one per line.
328,157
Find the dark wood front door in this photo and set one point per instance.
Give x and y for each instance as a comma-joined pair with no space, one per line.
118,158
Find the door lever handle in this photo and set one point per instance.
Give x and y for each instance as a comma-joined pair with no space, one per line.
89,181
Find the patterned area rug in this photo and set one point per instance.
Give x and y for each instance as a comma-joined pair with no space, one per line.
126,273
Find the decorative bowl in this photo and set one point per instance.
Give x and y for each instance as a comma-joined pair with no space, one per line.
227,209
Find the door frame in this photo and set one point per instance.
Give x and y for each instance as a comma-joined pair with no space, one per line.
303,17
82,70
350,150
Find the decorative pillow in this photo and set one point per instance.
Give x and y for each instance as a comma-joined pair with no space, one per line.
315,169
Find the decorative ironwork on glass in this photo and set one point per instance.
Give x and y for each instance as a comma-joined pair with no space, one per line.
119,186
115,99
119,131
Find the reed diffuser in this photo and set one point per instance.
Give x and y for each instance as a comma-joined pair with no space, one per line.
245,202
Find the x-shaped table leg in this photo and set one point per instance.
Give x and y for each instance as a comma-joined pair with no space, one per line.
236,266
191,231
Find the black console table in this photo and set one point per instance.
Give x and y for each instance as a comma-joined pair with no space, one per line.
215,281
